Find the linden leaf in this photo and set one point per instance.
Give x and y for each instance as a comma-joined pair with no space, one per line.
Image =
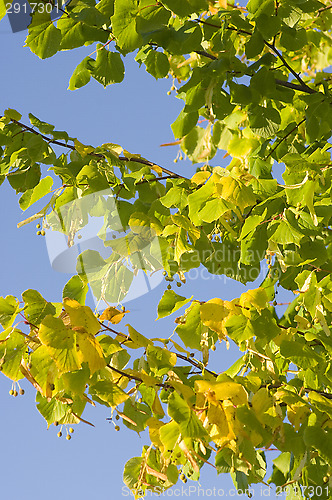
60,343
215,312
81,316
90,351
113,315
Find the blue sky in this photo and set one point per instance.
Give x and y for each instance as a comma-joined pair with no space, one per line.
137,114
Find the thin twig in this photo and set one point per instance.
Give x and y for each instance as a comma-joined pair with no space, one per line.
303,85
284,138
98,155
323,9
294,86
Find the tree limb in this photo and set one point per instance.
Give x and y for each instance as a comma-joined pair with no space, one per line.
284,138
97,155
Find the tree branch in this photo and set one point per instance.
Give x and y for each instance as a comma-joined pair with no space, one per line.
97,155
294,86
195,364
284,138
181,356
323,9
303,87
299,79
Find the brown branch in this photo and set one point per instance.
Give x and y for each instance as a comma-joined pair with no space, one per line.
326,395
97,155
195,364
206,54
323,9
303,85
284,138
124,374
294,86
181,356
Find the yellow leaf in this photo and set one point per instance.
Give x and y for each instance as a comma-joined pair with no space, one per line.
235,191
148,380
113,315
157,169
113,148
220,431
220,391
156,406
82,149
215,312
81,316
256,298
200,177
297,413
239,148
138,339
183,389
90,351
60,343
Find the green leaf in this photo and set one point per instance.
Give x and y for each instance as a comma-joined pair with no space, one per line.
190,425
157,64
139,413
23,180
132,471
12,114
170,302
169,434
76,288
76,33
60,343
190,328
321,440
44,38
258,7
81,75
124,24
43,127
9,308
264,121
185,7
108,393
53,410
108,67
283,462
184,123
301,355
32,195
12,352
254,45
36,307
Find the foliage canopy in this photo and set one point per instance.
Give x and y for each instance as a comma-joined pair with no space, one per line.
255,83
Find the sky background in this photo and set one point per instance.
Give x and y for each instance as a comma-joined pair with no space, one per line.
137,114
